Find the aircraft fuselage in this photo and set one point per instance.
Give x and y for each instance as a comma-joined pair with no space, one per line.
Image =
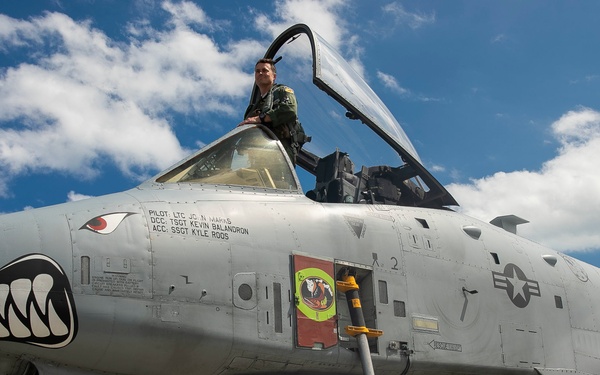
212,287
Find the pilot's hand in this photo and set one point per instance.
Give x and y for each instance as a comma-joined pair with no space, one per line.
250,120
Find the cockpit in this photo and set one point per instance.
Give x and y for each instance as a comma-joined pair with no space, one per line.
251,156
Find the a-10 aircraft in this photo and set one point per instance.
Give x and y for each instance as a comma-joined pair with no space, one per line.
223,265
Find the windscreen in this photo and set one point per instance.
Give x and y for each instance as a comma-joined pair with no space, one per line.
247,158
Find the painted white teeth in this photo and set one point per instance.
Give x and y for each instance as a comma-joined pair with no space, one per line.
4,290
20,290
56,324
3,331
17,328
30,304
37,326
42,284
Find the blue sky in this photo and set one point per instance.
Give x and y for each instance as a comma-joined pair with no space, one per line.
500,99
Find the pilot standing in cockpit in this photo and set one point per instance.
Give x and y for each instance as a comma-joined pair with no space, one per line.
276,108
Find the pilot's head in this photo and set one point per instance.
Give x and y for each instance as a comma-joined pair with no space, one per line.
265,73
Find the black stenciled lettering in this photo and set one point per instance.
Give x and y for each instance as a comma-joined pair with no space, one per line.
220,235
158,213
160,228
179,230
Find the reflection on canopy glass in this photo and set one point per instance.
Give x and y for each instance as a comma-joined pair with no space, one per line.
249,158
363,127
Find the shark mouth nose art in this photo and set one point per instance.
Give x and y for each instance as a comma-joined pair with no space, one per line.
36,303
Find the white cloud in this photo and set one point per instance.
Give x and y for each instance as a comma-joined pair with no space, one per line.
73,196
85,99
186,13
577,127
437,168
69,125
403,17
391,83
499,38
323,16
560,200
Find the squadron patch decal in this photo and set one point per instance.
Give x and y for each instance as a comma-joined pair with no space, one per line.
518,287
315,288
36,303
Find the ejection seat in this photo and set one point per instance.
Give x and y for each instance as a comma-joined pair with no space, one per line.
336,182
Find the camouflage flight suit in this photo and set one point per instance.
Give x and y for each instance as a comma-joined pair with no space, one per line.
280,104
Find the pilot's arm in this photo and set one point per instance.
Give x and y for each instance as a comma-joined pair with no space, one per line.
282,111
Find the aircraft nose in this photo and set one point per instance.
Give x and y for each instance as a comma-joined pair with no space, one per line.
38,231
36,302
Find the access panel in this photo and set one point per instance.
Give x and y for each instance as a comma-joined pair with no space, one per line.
314,295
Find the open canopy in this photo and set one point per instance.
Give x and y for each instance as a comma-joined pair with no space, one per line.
332,74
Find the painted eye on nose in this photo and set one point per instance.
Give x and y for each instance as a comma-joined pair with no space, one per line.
106,224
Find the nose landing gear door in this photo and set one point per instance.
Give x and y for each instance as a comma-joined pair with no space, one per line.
314,285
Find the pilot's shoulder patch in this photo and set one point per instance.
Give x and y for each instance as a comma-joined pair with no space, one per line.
287,89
